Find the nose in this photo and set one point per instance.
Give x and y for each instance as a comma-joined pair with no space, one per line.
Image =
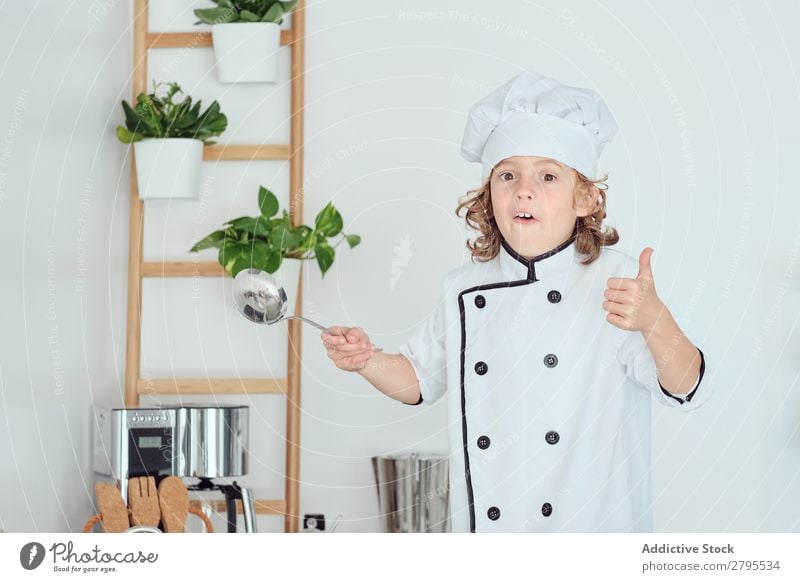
525,189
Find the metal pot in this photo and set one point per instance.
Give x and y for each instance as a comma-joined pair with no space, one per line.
413,492
211,441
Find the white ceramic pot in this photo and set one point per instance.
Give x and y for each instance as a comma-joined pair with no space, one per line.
168,167
246,52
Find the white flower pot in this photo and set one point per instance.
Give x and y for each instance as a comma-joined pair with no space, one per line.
168,167
246,52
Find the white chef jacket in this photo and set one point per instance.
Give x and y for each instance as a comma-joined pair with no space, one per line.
548,404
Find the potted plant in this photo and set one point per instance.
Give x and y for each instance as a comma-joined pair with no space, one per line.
168,137
264,241
246,35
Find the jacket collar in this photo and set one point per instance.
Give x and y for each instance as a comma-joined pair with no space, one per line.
548,264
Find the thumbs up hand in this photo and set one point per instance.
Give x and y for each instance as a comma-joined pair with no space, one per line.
632,304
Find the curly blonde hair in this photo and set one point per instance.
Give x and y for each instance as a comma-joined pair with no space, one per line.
591,234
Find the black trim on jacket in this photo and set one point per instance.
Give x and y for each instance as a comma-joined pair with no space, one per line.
699,380
415,403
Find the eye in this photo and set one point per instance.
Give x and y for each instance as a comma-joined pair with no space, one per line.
553,176
503,174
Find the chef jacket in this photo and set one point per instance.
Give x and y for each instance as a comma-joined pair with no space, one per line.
548,404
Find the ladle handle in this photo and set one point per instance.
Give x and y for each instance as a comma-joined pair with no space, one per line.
308,321
317,325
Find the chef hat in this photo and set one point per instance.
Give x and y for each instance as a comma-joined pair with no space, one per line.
533,115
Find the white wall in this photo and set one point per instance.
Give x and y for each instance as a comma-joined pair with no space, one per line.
706,101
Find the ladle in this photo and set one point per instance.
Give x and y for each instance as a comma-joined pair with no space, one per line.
260,298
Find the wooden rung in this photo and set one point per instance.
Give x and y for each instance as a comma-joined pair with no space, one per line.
212,386
262,506
194,39
246,153
183,269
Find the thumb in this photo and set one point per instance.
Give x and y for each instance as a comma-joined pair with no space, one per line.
354,335
644,264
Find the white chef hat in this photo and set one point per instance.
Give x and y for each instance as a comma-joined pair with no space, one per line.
533,115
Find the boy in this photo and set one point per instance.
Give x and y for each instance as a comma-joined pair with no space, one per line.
550,345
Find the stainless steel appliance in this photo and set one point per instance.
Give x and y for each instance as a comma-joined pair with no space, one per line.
190,441
413,492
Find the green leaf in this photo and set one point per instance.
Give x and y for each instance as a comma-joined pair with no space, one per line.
229,253
213,126
253,226
242,223
267,202
233,221
274,14
309,241
247,16
126,136
131,119
273,261
172,90
186,119
263,227
211,123
352,240
285,237
329,221
237,256
258,255
211,241
325,254
288,6
216,15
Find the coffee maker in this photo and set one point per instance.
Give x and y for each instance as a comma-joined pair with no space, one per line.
188,441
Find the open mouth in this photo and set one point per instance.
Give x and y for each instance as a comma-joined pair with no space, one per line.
524,218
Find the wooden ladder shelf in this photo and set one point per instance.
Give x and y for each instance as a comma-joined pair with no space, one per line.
135,385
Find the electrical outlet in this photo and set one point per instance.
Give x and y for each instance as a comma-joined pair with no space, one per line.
314,522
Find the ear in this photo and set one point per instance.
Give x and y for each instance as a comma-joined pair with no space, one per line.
587,199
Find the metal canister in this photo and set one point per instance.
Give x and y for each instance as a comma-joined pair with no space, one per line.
413,492
212,441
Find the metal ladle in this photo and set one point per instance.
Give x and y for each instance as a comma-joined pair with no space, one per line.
260,298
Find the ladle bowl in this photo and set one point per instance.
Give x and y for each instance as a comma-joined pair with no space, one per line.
261,299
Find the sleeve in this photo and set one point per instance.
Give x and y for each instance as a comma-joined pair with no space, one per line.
425,349
640,367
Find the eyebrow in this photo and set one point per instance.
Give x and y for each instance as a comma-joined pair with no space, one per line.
539,163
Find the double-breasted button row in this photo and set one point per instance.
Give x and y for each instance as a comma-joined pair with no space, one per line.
553,296
551,438
493,512
481,367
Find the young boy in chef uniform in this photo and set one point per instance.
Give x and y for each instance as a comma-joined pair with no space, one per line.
549,345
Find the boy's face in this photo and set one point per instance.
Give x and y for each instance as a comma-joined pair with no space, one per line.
542,188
